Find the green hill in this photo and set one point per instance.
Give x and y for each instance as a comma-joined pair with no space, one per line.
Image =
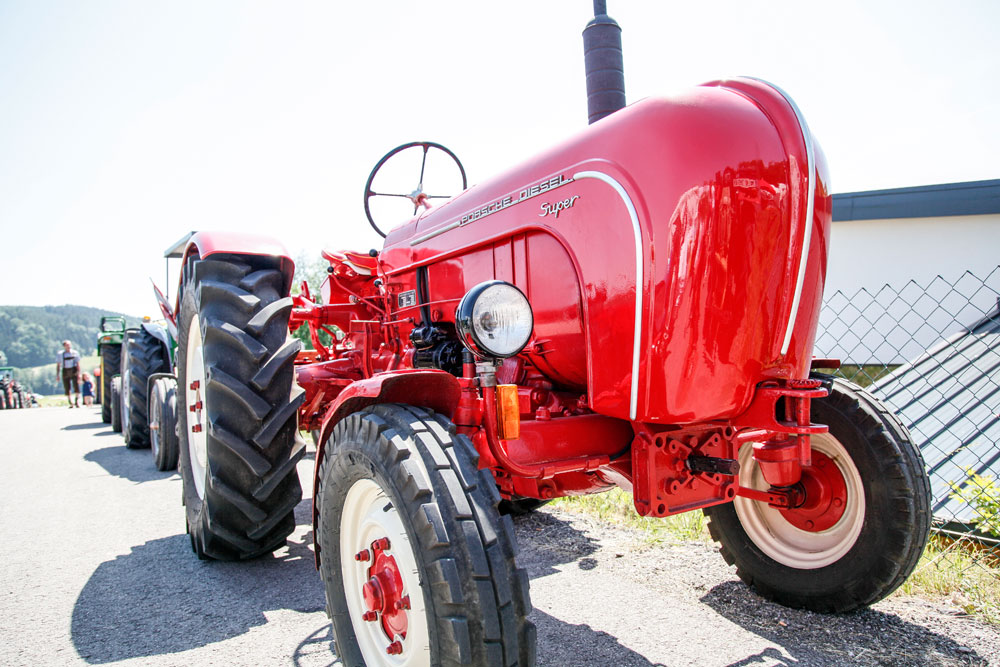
33,335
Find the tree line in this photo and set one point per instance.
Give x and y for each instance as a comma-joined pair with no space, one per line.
33,335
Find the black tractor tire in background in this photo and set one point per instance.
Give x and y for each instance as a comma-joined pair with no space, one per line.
888,532
110,367
114,398
142,356
239,444
405,474
163,423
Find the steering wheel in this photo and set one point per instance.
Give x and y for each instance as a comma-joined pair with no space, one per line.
418,197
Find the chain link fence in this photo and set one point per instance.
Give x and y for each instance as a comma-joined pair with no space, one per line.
931,351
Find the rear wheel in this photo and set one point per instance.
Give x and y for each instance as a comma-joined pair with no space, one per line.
418,565
864,522
142,356
110,367
114,397
163,423
236,413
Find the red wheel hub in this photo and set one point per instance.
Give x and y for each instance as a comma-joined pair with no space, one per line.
385,599
824,493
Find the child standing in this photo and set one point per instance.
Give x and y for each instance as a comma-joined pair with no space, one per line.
87,390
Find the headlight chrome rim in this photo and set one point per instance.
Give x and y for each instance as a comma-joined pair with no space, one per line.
465,316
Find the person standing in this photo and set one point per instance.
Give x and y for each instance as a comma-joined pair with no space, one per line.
87,390
69,366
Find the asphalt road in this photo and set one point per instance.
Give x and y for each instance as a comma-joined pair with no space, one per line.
95,568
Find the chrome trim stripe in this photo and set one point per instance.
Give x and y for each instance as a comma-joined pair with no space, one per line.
437,232
637,233
810,207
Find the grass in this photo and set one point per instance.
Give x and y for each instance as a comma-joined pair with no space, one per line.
954,570
53,401
616,507
947,571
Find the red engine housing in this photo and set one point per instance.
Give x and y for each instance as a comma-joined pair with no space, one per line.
674,256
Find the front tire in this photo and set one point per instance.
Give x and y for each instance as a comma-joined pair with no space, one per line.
163,423
859,545
236,413
403,474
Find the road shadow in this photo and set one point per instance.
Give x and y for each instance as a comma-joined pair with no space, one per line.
135,465
866,637
559,644
160,599
546,541
86,427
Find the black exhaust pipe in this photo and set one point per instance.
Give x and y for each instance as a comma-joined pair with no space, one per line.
602,56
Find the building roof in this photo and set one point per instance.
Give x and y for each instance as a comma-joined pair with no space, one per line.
925,201
949,399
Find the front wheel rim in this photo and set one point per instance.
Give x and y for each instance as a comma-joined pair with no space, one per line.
154,426
195,392
788,544
369,517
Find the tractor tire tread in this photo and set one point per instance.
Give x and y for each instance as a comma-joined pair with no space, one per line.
142,356
474,588
247,509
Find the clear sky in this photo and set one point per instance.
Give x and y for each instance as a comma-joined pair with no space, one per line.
124,125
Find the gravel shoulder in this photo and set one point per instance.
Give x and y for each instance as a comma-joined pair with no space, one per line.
604,596
97,570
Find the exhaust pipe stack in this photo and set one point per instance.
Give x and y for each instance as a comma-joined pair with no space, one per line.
602,55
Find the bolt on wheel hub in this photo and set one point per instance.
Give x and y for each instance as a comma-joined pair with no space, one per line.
383,592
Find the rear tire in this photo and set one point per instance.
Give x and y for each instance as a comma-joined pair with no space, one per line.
236,413
403,473
114,394
142,356
163,423
881,531
110,366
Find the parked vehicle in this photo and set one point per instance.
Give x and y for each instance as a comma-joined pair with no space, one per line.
12,395
109,349
635,308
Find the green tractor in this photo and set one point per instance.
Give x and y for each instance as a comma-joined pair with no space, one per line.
109,349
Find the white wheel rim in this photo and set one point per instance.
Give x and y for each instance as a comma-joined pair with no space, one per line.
197,438
123,394
784,542
364,520
154,422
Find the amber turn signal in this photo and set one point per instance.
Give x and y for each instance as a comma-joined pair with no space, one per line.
508,412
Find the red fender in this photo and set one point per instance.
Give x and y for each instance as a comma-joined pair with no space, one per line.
205,244
433,389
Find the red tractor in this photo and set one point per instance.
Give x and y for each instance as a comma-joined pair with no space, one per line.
635,308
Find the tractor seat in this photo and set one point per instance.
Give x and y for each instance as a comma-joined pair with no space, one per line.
362,264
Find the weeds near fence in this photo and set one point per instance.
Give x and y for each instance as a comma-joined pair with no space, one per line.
959,571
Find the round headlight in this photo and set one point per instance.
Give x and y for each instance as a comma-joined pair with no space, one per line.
494,319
